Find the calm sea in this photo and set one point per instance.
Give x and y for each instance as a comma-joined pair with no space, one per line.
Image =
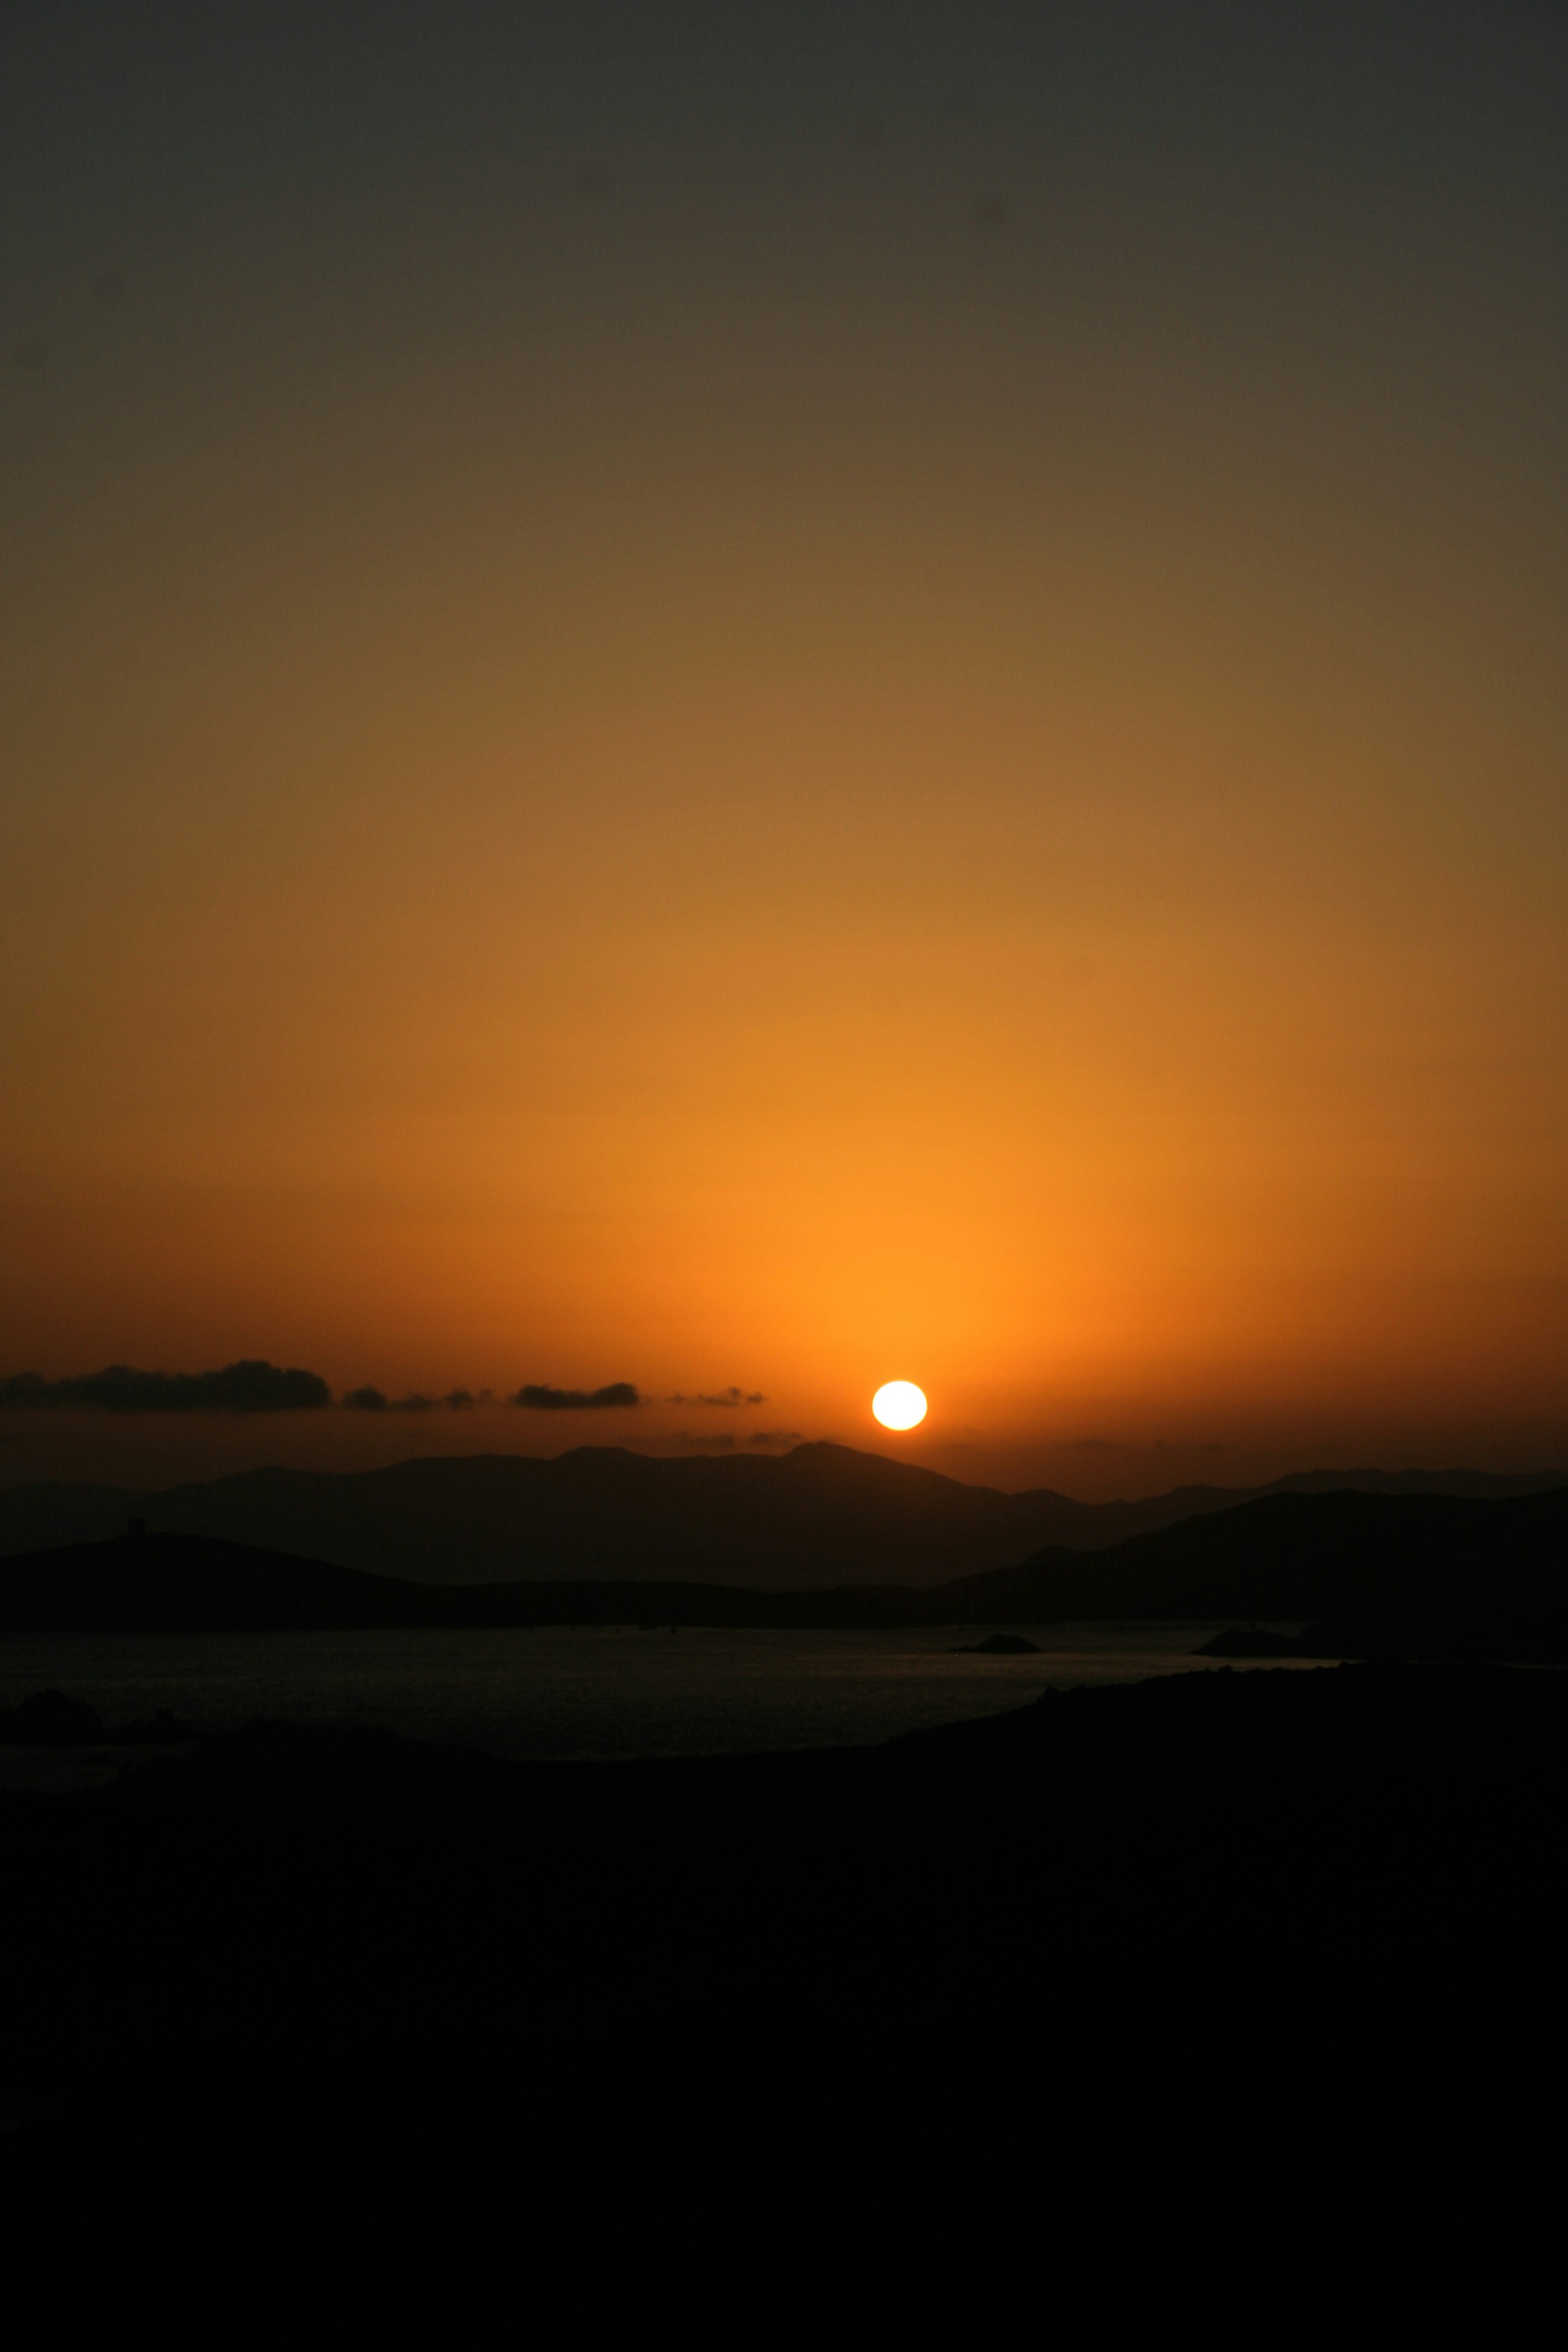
570,1693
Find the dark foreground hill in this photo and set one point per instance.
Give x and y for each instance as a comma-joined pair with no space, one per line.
1432,1559
1265,1965
819,1515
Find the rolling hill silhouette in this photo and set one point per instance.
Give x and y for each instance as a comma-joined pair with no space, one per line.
818,1515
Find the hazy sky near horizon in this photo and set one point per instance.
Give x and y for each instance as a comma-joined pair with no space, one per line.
789,696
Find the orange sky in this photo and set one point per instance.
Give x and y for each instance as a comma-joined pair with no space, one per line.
597,801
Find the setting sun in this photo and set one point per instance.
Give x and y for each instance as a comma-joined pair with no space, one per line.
899,1404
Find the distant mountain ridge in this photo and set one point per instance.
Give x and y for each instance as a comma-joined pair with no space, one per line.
819,1515
1441,1559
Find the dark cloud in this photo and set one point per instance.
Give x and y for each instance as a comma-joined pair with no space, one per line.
249,1387
775,1437
540,1398
727,1398
372,1399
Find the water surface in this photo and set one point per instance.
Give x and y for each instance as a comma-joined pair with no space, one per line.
564,1692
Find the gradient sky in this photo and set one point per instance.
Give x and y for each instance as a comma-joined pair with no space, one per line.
786,696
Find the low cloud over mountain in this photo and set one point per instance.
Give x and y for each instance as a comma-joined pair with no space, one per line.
255,1386
540,1398
727,1398
249,1387
373,1400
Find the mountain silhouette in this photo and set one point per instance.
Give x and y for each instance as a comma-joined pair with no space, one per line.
818,1515
1436,1561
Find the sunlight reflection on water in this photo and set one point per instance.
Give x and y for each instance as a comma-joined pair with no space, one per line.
563,1692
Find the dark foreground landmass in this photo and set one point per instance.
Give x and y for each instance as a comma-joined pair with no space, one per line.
1466,1577
1255,1951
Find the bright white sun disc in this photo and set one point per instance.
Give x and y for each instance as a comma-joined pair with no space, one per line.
899,1404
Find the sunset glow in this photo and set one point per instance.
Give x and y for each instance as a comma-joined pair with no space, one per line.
699,707
631,758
